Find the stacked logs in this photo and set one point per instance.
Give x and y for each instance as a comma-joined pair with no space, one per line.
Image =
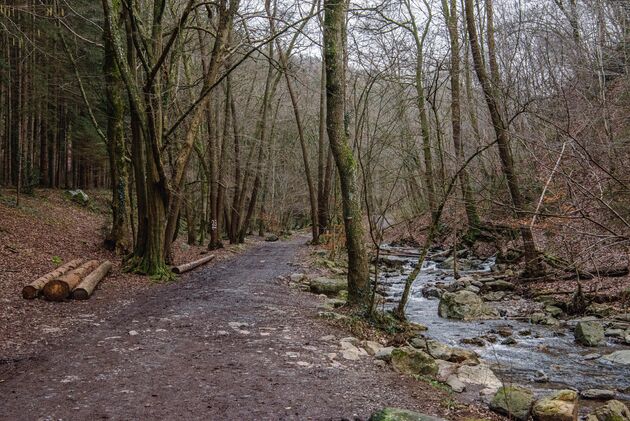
77,278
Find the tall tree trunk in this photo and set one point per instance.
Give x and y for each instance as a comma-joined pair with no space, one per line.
334,34
489,85
450,17
119,234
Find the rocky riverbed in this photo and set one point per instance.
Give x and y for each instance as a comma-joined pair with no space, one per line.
528,343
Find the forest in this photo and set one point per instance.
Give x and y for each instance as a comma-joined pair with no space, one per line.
463,156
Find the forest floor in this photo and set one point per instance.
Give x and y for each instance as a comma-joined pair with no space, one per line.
230,340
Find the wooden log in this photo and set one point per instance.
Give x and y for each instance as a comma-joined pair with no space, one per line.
33,289
190,266
86,287
60,288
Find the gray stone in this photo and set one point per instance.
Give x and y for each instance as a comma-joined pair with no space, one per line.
78,196
465,305
271,238
455,383
384,354
589,333
598,394
495,296
480,375
513,402
396,414
372,347
621,357
328,286
499,286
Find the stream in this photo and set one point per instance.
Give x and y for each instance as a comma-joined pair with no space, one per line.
550,350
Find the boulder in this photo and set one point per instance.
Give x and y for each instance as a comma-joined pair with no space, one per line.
78,196
465,305
560,406
271,238
384,354
589,334
598,394
396,414
455,384
621,357
612,411
495,296
372,347
412,361
328,286
480,375
431,292
553,311
445,370
513,402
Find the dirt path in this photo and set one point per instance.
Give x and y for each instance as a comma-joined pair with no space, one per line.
228,342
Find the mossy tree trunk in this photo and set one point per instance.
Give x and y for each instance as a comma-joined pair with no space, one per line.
334,35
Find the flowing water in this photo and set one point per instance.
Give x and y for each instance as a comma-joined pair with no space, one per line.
550,350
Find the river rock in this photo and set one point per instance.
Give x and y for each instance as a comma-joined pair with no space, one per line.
465,305
396,414
431,292
434,348
553,311
513,402
412,361
499,285
612,411
328,286
480,375
455,383
621,357
495,296
589,334
560,406
543,319
597,394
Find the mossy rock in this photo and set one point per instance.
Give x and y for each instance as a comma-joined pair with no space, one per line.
413,361
589,334
396,414
613,410
465,305
513,402
328,286
560,406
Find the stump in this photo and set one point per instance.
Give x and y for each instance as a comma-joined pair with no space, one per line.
84,290
33,289
60,288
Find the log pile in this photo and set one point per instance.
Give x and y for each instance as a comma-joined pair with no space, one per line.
77,278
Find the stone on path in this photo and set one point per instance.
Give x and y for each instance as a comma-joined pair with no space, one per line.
412,361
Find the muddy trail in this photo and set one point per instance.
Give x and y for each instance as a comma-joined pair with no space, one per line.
226,342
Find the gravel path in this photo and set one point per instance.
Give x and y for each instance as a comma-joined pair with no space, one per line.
228,342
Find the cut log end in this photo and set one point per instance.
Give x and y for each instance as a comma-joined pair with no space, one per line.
80,294
29,292
56,290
